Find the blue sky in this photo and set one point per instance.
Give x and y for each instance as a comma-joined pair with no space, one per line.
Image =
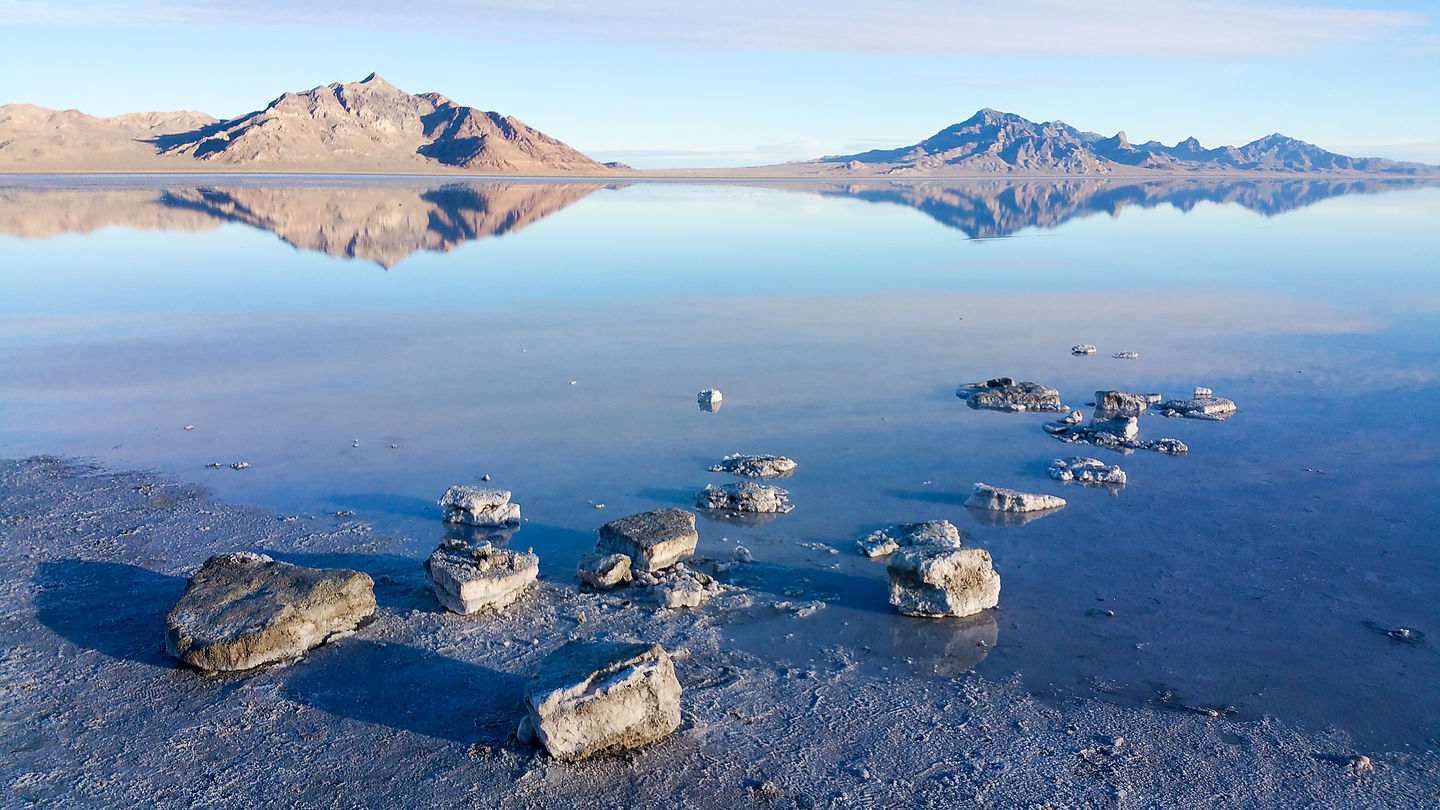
658,84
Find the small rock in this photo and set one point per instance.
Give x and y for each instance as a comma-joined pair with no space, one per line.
1126,355
1360,764
756,465
999,499
591,697
1201,392
938,580
240,465
243,610
214,465
1082,349
652,540
741,554
479,506
902,535
1086,471
709,400
1004,394
877,544
189,427
467,579
684,592
744,496
604,571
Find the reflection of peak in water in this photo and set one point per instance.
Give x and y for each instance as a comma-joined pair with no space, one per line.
383,224
992,208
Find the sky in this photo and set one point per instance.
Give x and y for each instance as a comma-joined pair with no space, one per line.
662,84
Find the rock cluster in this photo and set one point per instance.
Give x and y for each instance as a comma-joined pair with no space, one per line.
744,496
243,610
467,579
999,499
1004,394
679,587
890,539
761,465
1086,471
1112,432
479,506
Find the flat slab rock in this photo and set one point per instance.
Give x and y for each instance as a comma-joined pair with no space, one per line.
652,540
1213,408
1086,471
903,535
1004,394
744,496
467,579
761,465
999,499
244,610
479,506
939,580
594,697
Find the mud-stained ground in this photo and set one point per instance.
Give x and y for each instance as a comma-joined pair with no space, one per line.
418,707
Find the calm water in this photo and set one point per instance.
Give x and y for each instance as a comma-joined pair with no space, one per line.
553,336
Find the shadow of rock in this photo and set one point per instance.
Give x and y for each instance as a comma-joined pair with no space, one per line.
409,689
747,520
111,608
929,496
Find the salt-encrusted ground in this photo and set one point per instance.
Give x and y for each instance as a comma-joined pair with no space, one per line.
417,709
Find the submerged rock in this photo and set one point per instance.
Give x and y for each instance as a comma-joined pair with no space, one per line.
938,580
744,496
243,610
467,579
999,499
1086,471
902,535
604,571
479,506
652,540
1004,394
592,697
761,465
1213,408
709,400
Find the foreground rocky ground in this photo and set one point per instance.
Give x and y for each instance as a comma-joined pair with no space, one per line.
419,706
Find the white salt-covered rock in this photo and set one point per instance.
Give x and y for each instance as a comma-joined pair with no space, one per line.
1215,409
903,535
467,579
999,499
479,506
1086,471
709,400
938,580
604,571
741,554
1083,349
744,496
1126,355
1202,392
877,544
753,465
652,540
243,610
1004,394
592,697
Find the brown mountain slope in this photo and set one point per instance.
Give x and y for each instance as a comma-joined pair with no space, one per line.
36,139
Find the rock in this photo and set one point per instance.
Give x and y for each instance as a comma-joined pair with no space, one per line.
1119,403
243,610
1215,409
903,535
1201,392
240,465
938,580
684,592
999,499
1086,471
744,496
756,466
1074,418
877,544
467,579
604,571
1004,394
479,506
1118,433
741,554
709,400
1083,349
652,540
1126,355
592,697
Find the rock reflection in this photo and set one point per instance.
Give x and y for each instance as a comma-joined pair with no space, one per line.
945,647
991,517
497,536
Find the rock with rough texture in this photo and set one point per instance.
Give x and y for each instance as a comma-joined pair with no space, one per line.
680,587
1126,355
877,544
652,540
905,535
243,610
1086,471
762,465
467,579
1082,349
479,506
938,580
999,499
1215,409
744,496
709,400
1119,403
593,697
1004,394
604,571
1118,433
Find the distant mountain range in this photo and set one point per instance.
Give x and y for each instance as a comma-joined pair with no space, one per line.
371,126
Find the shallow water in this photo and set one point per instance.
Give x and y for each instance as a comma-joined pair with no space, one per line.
553,336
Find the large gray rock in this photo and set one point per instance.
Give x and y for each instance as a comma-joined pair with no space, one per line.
467,579
1086,471
479,506
1213,408
243,610
592,697
1004,394
744,496
652,540
939,580
902,535
1119,403
761,465
999,499
604,571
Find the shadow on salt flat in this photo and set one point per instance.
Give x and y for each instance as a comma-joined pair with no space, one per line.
112,608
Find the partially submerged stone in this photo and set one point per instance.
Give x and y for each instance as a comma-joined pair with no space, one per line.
1004,394
1213,408
1118,433
903,535
1086,471
604,571
999,499
1120,403
652,540
709,400
744,496
938,580
243,610
467,579
593,697
479,506
1126,355
755,465
1082,349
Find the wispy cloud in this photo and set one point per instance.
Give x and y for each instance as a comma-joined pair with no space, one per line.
1183,28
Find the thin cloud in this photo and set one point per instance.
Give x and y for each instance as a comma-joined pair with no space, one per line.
1180,28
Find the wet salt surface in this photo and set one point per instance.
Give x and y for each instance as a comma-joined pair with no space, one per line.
1241,577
